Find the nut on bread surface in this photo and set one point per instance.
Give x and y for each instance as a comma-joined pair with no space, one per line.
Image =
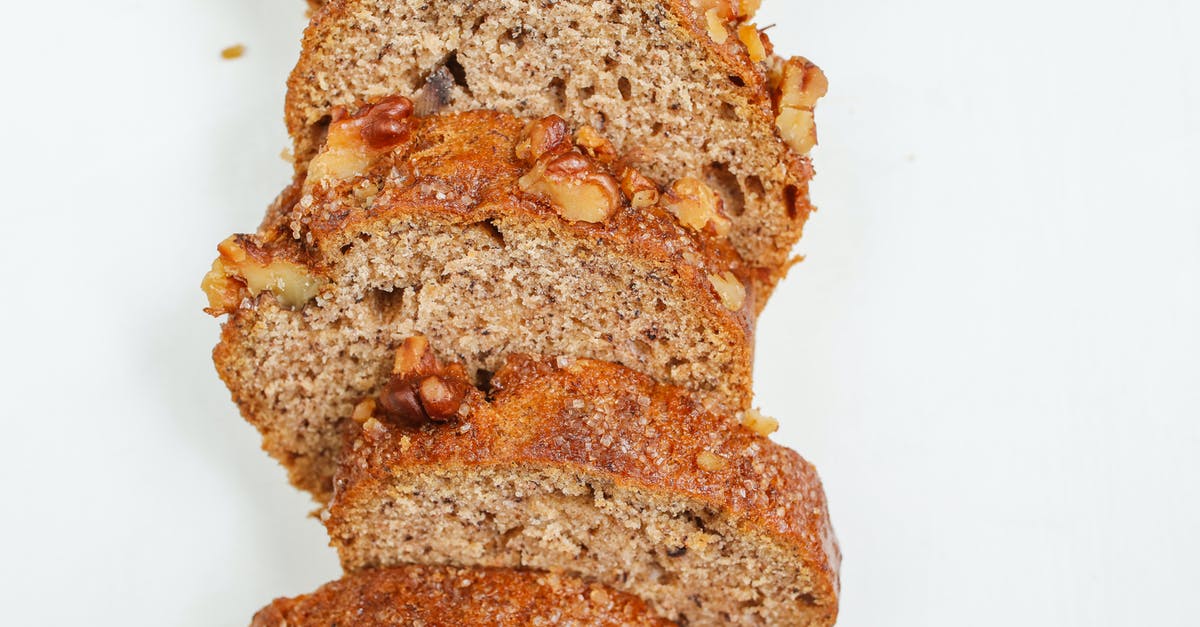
428,596
594,470
681,87
407,225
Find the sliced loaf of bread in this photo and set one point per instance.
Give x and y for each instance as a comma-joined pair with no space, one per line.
428,596
682,87
590,469
488,234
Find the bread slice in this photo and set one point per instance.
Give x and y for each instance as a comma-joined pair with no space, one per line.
429,595
591,469
434,226
682,87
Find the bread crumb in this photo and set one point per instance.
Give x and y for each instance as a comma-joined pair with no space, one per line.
233,52
760,424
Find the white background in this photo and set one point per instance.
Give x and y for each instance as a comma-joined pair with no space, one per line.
992,352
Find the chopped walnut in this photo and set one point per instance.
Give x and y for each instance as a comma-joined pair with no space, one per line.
799,85
697,206
758,423
576,186
595,144
711,462
238,270
731,10
354,143
421,390
414,357
752,39
716,26
641,191
549,135
729,289
363,411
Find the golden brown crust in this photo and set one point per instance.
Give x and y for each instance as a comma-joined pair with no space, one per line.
457,171
430,595
463,169
603,420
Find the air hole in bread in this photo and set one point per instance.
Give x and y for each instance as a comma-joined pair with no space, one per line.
625,88
726,183
558,91
737,80
729,111
489,227
585,93
457,71
483,381
754,185
516,35
791,196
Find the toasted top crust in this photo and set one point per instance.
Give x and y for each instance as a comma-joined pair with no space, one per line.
430,595
463,169
729,121
600,419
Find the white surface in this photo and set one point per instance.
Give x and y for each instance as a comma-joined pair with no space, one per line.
992,352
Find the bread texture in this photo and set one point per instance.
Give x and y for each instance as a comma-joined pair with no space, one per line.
594,470
682,87
427,596
437,234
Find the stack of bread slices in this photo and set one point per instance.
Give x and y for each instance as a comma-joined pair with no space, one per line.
500,326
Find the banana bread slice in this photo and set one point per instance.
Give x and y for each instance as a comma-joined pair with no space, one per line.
489,234
682,87
429,595
591,469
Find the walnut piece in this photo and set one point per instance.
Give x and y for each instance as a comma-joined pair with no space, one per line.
711,462
238,270
730,10
576,186
729,289
595,144
752,39
716,26
421,390
758,423
641,191
354,143
799,85
363,411
697,206
549,135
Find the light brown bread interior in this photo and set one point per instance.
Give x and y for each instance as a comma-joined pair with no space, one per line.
647,73
595,471
447,245
477,293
